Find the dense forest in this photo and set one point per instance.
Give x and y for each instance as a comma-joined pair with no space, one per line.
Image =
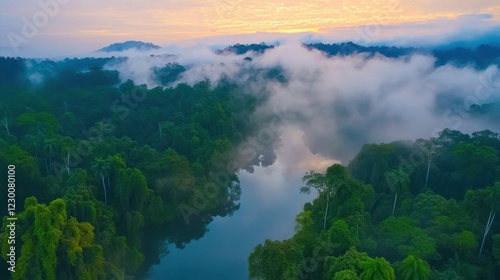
108,170
480,57
99,162
421,209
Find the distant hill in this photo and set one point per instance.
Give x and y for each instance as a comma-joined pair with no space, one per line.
243,49
137,45
479,57
482,56
349,48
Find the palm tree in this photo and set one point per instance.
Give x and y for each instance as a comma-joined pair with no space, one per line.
491,199
398,182
328,183
376,269
100,168
414,268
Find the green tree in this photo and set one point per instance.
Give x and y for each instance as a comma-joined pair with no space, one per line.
304,229
476,165
100,168
346,275
402,234
67,146
398,182
55,246
50,148
275,260
430,148
117,165
325,183
464,241
42,122
340,234
349,261
414,268
376,269
33,143
496,248
491,196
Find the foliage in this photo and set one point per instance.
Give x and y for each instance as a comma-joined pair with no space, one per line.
113,161
414,268
447,207
376,269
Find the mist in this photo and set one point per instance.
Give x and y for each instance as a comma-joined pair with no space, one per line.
343,102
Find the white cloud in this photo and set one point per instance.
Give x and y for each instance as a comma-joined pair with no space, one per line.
345,102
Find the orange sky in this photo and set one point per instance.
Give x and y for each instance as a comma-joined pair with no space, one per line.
100,22
193,19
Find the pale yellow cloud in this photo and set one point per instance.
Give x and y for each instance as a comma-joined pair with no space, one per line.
169,21
179,20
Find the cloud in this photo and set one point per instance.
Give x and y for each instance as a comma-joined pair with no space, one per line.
345,102
342,103
464,29
82,26
139,67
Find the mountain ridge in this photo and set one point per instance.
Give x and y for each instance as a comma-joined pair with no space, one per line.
127,45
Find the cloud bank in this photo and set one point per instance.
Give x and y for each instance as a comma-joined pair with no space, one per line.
341,103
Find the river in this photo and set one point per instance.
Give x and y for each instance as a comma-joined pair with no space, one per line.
270,201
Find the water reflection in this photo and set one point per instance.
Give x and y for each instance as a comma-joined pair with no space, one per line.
269,203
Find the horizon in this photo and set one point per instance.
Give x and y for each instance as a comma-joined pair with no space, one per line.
64,28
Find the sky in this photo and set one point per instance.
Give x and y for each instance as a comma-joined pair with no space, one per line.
77,27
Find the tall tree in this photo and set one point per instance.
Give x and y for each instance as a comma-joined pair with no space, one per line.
116,165
325,183
398,182
100,168
491,196
430,148
67,146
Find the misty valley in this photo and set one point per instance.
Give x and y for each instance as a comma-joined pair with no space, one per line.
253,161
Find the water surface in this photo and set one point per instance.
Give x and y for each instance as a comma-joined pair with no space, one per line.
270,201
